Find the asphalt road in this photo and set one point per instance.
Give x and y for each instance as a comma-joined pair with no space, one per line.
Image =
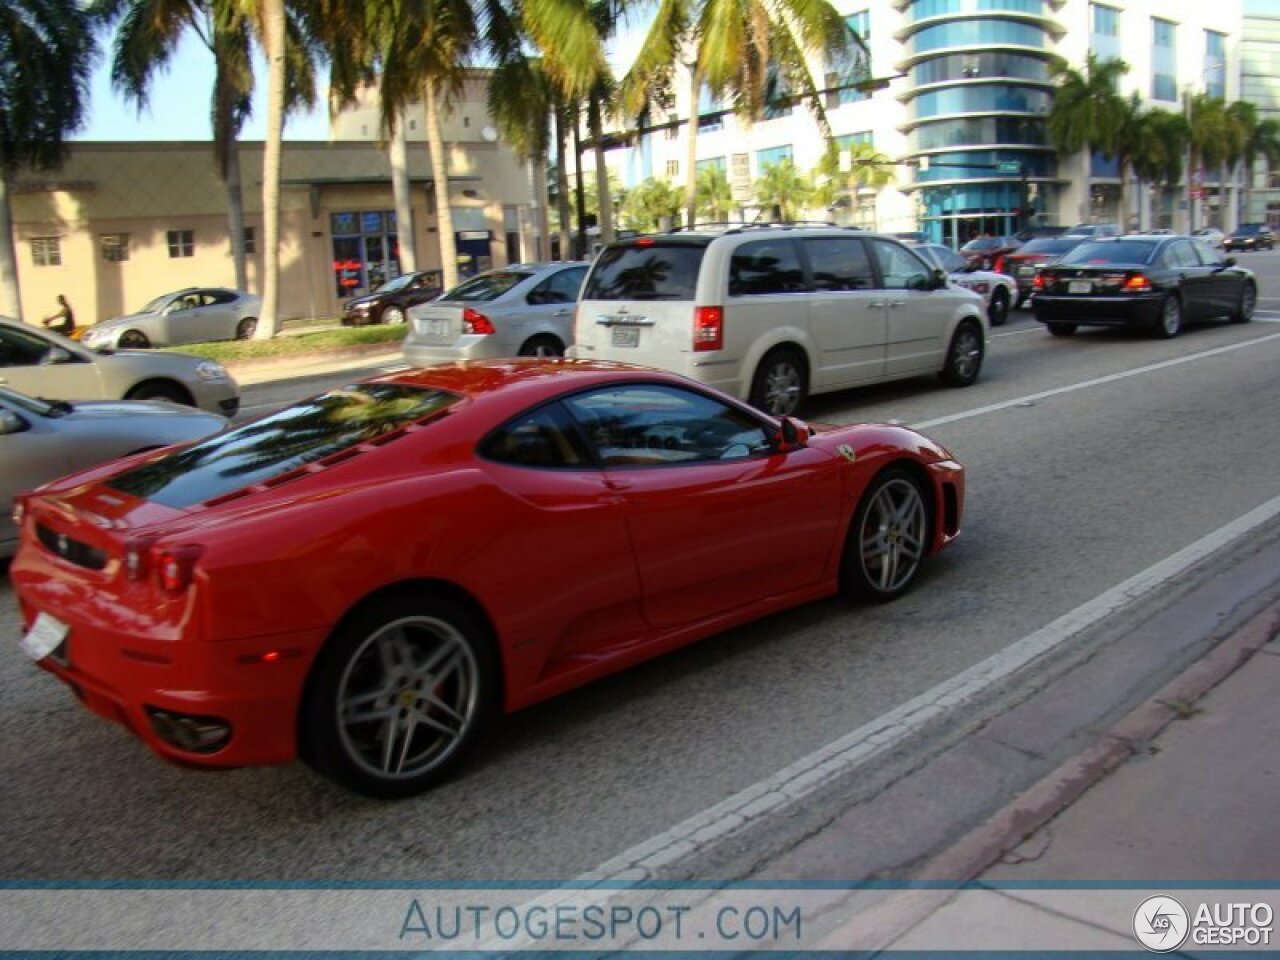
1148,446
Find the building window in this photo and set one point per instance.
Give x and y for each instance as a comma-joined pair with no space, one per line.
719,163
250,246
115,247
772,157
849,139
46,251
777,94
1164,71
673,169
182,243
1105,38
851,66
707,103
673,126
366,250
511,226
1215,64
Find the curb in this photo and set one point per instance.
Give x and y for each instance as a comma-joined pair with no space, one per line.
304,359
883,924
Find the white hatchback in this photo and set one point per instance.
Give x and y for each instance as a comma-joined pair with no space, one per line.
773,314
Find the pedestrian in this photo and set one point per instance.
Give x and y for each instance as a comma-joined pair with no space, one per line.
62,320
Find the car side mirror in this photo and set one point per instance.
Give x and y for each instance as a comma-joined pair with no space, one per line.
940,278
10,422
792,435
1229,262
55,354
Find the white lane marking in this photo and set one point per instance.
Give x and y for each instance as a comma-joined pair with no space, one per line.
770,796
1038,328
1095,382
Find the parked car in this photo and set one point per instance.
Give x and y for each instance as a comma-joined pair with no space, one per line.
390,301
1094,230
523,310
996,289
192,315
1155,282
773,314
1044,230
1157,232
988,253
1212,236
41,440
254,596
42,363
911,237
1033,256
1250,236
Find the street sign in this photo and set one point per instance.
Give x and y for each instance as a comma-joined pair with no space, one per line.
1009,166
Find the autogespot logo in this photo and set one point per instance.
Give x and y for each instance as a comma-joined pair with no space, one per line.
1161,923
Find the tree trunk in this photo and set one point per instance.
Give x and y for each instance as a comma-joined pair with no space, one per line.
580,189
235,215
406,238
603,198
691,152
440,184
1247,203
1224,198
1123,220
541,205
10,294
274,46
562,187
227,151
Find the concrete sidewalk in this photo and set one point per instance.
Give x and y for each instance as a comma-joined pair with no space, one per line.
249,373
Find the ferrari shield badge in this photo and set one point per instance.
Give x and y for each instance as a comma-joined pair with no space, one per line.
847,452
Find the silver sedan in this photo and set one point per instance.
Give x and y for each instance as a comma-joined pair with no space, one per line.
41,363
521,310
192,315
41,440
1000,291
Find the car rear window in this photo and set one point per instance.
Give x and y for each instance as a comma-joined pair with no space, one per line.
298,435
487,286
1049,245
645,272
1123,251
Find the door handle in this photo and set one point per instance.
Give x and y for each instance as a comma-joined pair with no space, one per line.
563,313
897,303
875,305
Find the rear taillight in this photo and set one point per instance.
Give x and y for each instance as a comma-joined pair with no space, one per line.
998,265
20,509
473,321
1038,282
175,566
1137,283
708,328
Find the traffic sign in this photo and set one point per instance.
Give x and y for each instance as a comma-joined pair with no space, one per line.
1009,166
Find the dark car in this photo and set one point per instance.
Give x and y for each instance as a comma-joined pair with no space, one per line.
1154,282
1250,236
389,302
1044,230
1095,230
1028,260
987,253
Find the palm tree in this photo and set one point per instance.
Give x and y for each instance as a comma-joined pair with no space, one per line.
783,189
1211,136
271,33
653,205
520,89
1261,139
837,180
1157,148
715,195
47,51
1086,110
1128,119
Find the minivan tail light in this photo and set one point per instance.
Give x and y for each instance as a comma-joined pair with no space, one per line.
473,321
708,328
175,566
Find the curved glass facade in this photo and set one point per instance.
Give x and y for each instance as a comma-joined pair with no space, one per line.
974,130
977,33
924,9
984,99
976,66
980,164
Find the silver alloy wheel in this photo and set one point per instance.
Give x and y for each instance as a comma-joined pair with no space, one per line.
1171,317
407,697
967,353
393,316
782,388
891,542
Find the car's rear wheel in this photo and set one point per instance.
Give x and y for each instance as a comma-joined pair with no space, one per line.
1246,304
1170,323
543,345
161,390
393,316
399,696
888,538
998,311
133,340
1062,329
246,328
781,383
964,355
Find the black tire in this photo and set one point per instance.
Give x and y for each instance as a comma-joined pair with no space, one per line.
133,340
888,538
781,383
542,345
381,659
392,316
1246,304
1022,300
1062,329
246,328
998,311
161,390
1169,323
964,355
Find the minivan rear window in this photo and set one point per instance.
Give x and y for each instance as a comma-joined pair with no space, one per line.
645,272
298,435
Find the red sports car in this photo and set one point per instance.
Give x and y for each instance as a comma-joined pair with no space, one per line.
363,578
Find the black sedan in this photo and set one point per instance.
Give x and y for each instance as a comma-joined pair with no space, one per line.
389,302
1152,282
1250,236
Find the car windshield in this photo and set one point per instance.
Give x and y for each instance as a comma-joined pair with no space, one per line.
296,436
399,283
38,406
984,243
943,257
153,306
645,271
1123,251
1049,245
487,286
1246,229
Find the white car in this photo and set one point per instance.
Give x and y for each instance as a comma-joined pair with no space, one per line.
41,363
999,291
771,314
192,315
1212,236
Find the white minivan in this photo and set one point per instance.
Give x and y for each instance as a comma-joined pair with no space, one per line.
773,314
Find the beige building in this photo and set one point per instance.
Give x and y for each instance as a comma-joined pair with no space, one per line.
121,223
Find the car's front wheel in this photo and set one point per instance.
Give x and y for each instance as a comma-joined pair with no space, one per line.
161,390
888,538
1247,303
133,340
246,328
399,696
964,356
781,383
1170,322
998,311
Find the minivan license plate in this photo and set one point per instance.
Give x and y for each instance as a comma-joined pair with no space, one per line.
1080,286
626,336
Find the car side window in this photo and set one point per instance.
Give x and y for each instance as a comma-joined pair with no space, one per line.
764,267
1208,256
560,287
653,425
20,349
900,269
839,263
545,437
218,296
1180,254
